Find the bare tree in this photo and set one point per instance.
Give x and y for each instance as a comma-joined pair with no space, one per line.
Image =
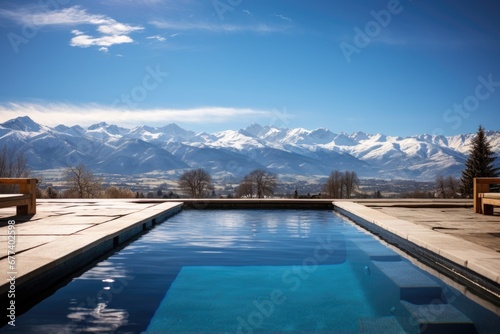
246,188
12,164
82,183
333,187
265,182
441,186
259,183
351,182
196,183
452,186
341,185
447,187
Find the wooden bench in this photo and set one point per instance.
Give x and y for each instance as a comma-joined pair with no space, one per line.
25,201
484,200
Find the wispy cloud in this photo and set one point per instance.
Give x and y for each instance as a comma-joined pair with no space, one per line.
215,27
169,5
246,11
157,38
110,31
283,17
53,114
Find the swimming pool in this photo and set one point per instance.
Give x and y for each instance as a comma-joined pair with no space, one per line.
256,271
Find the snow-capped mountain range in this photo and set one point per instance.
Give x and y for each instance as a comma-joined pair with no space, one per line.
112,149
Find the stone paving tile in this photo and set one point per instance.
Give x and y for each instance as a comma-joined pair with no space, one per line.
50,229
106,212
23,244
460,222
74,219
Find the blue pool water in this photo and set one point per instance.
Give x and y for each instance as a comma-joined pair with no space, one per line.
256,272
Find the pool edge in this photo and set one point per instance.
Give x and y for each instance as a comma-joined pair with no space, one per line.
412,241
85,249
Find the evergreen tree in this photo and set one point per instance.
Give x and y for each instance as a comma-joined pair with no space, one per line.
479,164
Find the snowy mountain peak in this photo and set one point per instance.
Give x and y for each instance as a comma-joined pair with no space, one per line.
176,132
172,127
379,137
359,136
254,129
98,126
110,129
321,131
142,128
22,123
74,130
346,140
322,134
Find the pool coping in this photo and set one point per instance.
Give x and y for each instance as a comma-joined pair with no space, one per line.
475,266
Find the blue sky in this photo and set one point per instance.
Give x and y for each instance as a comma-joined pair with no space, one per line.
394,67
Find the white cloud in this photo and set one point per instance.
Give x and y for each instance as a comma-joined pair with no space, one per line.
84,41
112,32
103,49
116,28
247,12
157,37
53,114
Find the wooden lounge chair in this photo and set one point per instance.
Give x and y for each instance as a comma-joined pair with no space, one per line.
25,201
484,200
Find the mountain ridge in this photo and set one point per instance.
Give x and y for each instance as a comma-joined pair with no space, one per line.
108,148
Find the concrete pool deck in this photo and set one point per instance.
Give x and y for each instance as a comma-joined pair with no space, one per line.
67,234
